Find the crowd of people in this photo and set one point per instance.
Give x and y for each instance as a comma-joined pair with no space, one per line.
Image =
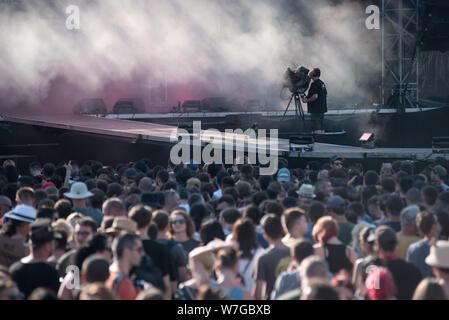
329,231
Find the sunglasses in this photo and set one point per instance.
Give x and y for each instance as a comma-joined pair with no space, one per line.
180,221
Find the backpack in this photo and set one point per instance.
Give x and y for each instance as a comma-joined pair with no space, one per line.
148,272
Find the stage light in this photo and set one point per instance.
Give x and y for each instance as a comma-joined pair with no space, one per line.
303,142
440,144
367,140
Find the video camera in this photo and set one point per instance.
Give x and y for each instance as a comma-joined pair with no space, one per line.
297,81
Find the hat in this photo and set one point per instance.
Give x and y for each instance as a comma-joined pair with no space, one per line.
439,255
195,181
41,232
306,191
48,184
78,191
335,202
440,170
21,212
384,235
150,199
130,173
335,158
122,224
284,175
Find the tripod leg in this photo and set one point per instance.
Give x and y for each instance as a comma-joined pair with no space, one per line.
288,106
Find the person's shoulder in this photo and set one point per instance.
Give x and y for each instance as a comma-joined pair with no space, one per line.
16,267
417,245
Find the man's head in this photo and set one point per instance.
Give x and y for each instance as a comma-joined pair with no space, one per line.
385,239
35,169
429,194
146,184
228,217
394,205
171,199
141,215
315,73
408,218
41,236
272,227
301,250
95,269
114,207
313,267
428,224
128,247
438,173
295,222
336,205
5,205
316,210
161,219
25,195
84,228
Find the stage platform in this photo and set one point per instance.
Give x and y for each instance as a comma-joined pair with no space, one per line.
272,113
138,131
324,150
145,131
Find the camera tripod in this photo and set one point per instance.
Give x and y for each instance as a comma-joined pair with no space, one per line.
299,112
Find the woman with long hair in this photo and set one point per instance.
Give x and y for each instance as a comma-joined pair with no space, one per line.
244,236
182,230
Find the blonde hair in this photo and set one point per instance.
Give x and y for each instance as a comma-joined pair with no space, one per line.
99,290
74,216
64,226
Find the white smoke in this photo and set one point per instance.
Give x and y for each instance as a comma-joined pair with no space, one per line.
231,48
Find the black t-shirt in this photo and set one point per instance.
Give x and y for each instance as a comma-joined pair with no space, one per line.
159,254
406,277
319,105
178,257
30,276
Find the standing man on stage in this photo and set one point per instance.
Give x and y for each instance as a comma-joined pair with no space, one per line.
316,101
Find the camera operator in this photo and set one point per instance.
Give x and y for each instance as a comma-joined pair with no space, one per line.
316,101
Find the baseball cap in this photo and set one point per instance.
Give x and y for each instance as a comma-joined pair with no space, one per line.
335,202
384,235
283,175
